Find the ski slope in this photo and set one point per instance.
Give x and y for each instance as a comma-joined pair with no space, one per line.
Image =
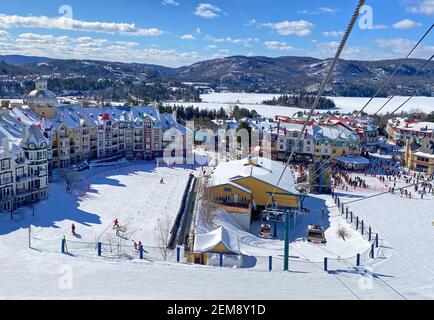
134,195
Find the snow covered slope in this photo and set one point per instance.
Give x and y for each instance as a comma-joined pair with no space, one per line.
253,101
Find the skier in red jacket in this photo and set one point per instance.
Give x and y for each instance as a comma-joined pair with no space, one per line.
116,223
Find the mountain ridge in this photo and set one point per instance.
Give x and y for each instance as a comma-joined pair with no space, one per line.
286,74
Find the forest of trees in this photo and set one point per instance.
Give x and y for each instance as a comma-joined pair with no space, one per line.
119,90
304,101
204,117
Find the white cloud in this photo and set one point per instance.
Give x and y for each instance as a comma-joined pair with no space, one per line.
246,42
66,47
211,47
380,26
328,10
207,10
285,28
322,10
3,34
188,37
63,23
407,24
423,7
400,47
333,33
277,45
170,3
382,49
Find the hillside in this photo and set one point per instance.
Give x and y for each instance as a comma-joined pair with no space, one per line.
240,73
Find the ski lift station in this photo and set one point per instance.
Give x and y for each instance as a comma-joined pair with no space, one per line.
245,186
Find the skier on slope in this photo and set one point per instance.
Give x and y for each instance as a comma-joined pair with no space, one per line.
73,229
116,223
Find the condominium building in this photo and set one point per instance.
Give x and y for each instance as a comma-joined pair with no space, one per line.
23,164
315,143
420,156
399,130
76,134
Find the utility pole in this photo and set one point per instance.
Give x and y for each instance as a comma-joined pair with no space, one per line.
286,253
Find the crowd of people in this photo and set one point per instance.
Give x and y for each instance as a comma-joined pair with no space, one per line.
343,180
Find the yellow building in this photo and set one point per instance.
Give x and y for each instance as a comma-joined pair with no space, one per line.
420,157
42,100
208,246
250,182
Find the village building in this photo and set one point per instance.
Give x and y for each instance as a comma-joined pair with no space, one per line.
420,156
23,164
243,185
400,130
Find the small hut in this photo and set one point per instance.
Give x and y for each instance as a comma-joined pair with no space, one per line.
209,245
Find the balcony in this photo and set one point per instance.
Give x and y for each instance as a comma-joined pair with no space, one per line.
233,207
24,178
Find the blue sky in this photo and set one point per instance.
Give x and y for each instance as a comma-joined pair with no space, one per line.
181,32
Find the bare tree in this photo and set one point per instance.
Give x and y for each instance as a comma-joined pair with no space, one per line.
163,235
343,233
208,205
68,177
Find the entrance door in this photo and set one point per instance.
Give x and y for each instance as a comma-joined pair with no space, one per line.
235,198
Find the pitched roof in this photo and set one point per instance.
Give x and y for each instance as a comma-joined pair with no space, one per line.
266,170
33,135
209,241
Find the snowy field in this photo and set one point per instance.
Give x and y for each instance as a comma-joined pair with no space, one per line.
134,195
253,101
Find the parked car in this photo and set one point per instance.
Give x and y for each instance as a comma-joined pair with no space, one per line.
80,166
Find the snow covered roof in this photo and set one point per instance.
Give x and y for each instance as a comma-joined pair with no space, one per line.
424,154
168,121
72,116
42,94
221,236
12,132
336,133
263,169
32,135
353,160
413,125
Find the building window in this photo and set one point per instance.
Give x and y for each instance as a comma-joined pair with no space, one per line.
5,164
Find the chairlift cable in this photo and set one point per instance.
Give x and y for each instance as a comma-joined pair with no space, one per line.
384,83
390,99
322,88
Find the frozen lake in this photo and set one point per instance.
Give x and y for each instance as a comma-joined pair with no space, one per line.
253,101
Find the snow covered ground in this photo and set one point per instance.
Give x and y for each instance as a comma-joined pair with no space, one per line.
134,195
253,101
